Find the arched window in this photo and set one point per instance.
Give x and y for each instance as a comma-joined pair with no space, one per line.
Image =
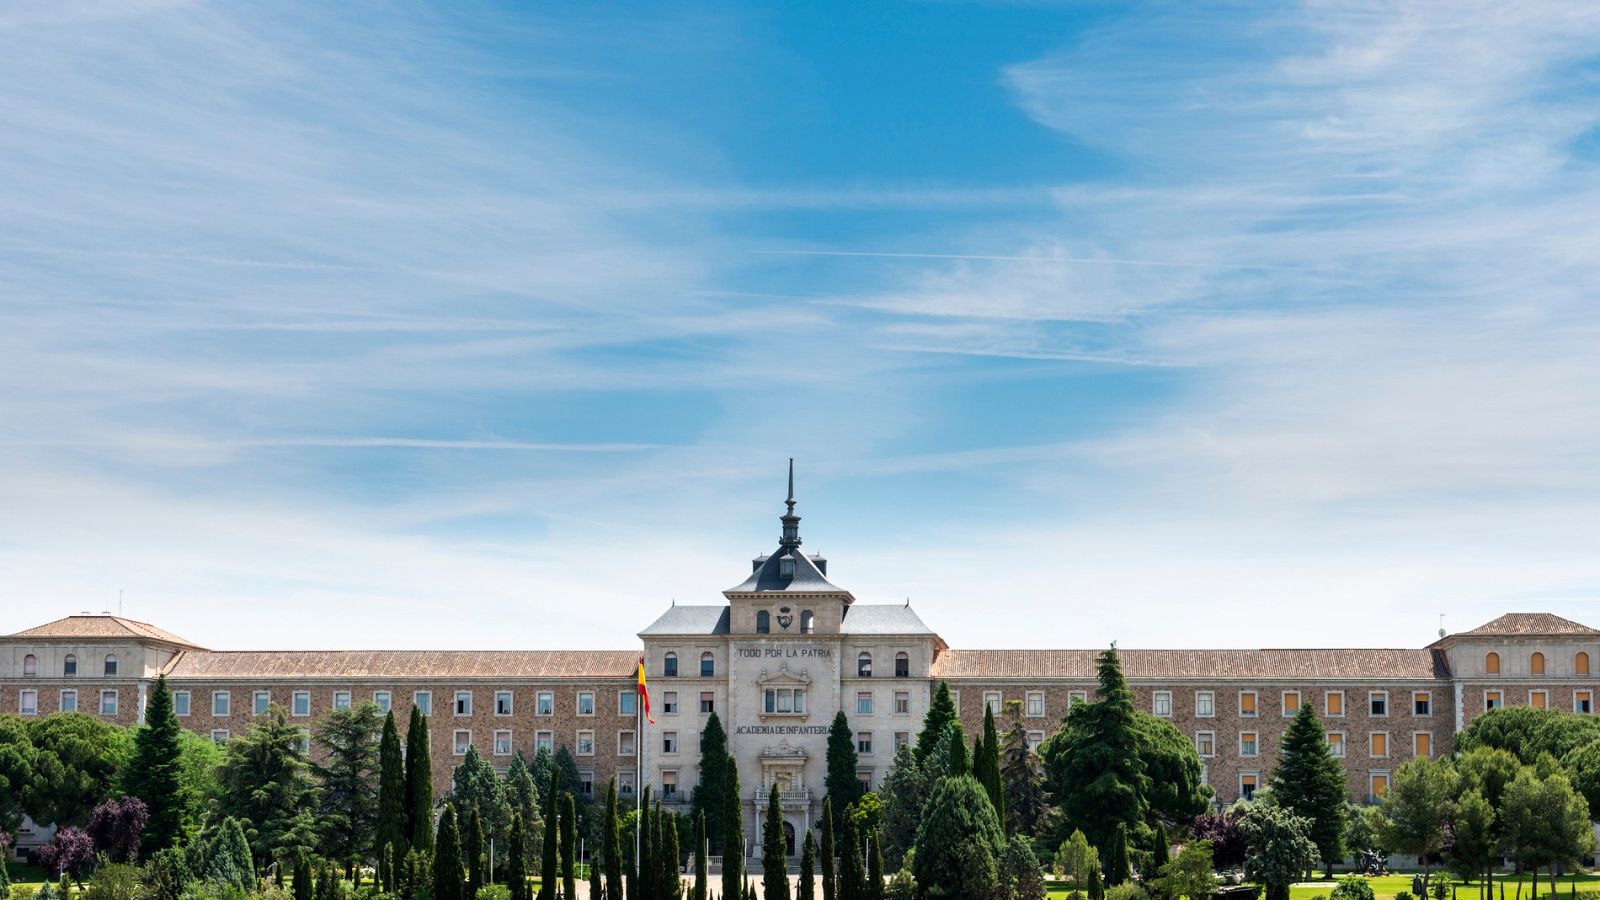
111,664
30,665
1536,663
669,667
864,665
807,622
708,665
902,665
1580,663
69,666
1491,663
763,622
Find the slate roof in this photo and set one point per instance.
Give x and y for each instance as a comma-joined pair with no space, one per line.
690,620
1308,665
1533,623
102,627
403,664
808,578
892,618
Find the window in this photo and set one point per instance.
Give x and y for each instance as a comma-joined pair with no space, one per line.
28,703
423,701
69,702
808,622
341,699
463,705
259,701
1076,697
1291,702
1583,702
1336,743
1377,785
902,665
1493,699
111,664
1205,743
669,742
864,665
460,740
1161,703
1536,663
864,703
902,703
1580,663
1247,703
628,703
708,702
669,783
585,743
303,744
708,665
781,701
902,739
1538,699
1379,748
180,702
586,703
544,703
383,699
502,742
669,702
221,703
503,703
1333,704
763,622
625,783
301,703
1378,703
69,666
627,743
1422,744
586,782
1247,784
1035,738
1422,703
992,701
864,778
544,740
108,703
1205,704
1249,744
786,568
219,735
1034,707
669,666
30,665
864,743
1491,663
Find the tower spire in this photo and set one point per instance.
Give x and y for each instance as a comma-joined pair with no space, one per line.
791,522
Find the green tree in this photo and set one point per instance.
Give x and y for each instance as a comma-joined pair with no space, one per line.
517,861
1583,767
733,840
875,866
348,813
304,884
155,772
447,867
1189,874
522,796
830,854
1021,776
597,884
474,785
1118,866
1020,876
569,846
1174,790
669,857
1528,733
1546,821
959,841
611,847
700,863
716,768
390,828
1417,808
549,867
806,889
958,763
852,873
1474,845
267,785
1309,782
419,783
774,856
1097,774
1077,858
415,881
986,765
648,832
904,792
226,859
572,782
473,848
841,780
77,758
936,723
1280,848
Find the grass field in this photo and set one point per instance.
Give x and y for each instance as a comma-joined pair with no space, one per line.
1386,887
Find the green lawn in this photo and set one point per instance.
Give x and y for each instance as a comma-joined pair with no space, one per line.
1386,887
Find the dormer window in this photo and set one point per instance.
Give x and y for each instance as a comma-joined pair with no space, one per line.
763,622
808,622
69,666
785,568
30,665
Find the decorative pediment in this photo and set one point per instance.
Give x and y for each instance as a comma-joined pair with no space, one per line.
784,750
784,677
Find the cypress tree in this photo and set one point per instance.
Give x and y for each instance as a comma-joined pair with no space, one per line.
841,780
774,859
597,888
473,848
548,868
386,869
241,866
1160,853
516,861
830,882
670,854
988,769
957,764
807,888
1096,886
569,846
610,845
447,868
700,840
852,876
941,715
419,782
874,867
716,767
392,820
304,888
1309,782
647,849
1117,868
733,840
154,772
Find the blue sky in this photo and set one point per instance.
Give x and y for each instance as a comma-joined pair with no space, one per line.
1176,324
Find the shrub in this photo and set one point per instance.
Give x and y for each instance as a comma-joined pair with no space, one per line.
1351,887
47,891
1403,895
494,892
901,887
1127,890
1441,889
116,881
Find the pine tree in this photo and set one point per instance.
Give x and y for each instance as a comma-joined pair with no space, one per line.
842,781
304,886
549,869
1117,866
936,724
733,840
419,782
267,785
807,889
522,795
1099,778
569,846
874,867
852,875
774,859
516,860
1022,776
447,868
830,854
716,767
700,885
347,811
1310,782
473,849
392,826
154,773
610,845
957,763
988,769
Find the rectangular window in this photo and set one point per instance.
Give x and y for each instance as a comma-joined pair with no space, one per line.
1422,703
259,701
502,742
1493,699
864,778
669,666
69,703
1205,743
1205,704
1336,743
544,703
585,743
864,703
1377,786
669,783
1248,743
1035,705
902,739
180,702
1035,738
625,783
1378,703
628,702
28,703
1380,745
708,666
902,666
669,742
503,703
586,782
902,703
463,705
1076,697
341,699
302,703
1247,784
219,735
383,699
669,702
69,666
864,743
1538,699
544,740
586,703
782,701
108,703
627,743
423,700
1333,704
1422,745
992,701
221,703
1291,702
708,702
460,741
1161,704
1583,702
1247,703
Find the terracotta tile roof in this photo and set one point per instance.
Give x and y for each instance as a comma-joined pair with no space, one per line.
403,664
1533,623
102,627
1308,665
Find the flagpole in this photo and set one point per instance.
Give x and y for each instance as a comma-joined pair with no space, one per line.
638,780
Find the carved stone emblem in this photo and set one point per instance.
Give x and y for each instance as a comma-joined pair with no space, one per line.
785,618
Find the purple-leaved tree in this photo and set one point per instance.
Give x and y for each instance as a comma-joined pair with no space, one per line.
115,826
70,852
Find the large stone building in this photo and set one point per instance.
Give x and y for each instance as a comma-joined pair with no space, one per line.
781,655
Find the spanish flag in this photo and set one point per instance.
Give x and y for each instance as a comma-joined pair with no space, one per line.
644,692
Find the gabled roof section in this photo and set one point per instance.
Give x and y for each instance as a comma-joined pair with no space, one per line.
771,577
1533,624
689,620
1295,665
403,664
103,627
